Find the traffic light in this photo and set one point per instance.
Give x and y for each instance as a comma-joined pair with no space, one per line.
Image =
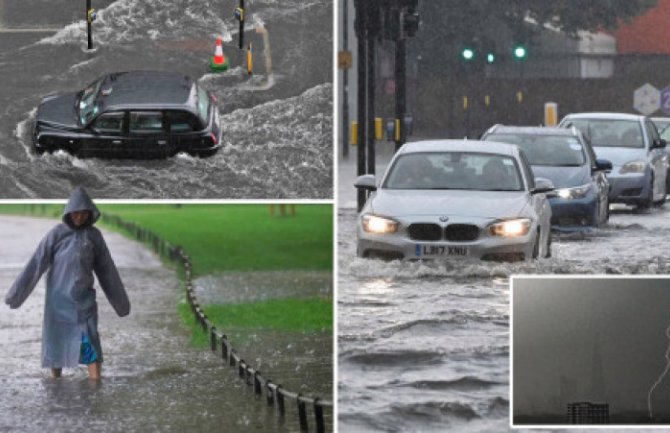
467,54
490,57
519,51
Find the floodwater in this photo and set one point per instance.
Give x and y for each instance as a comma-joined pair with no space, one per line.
303,361
277,124
425,346
153,380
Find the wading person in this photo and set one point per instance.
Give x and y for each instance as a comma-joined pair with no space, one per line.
72,252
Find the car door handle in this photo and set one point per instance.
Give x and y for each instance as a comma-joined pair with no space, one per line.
116,142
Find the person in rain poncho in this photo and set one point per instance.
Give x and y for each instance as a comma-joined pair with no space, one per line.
71,252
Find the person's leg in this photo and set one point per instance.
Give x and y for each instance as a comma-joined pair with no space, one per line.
94,369
56,372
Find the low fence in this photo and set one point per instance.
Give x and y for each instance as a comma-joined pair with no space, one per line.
274,393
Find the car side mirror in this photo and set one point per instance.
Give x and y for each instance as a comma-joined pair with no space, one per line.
367,181
603,165
542,186
659,143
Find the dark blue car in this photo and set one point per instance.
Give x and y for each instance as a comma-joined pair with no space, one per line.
580,199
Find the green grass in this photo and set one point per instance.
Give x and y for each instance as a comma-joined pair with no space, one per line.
234,237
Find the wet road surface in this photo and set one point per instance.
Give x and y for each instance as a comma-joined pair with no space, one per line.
153,380
277,137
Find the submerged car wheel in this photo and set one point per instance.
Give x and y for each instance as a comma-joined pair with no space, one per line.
645,203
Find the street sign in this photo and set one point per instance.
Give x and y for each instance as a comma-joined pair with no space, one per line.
646,99
665,100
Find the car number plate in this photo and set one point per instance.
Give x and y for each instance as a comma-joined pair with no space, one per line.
440,250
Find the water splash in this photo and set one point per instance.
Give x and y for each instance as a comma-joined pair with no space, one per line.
660,378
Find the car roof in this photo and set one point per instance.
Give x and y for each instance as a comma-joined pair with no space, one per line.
532,130
605,115
660,119
147,89
459,146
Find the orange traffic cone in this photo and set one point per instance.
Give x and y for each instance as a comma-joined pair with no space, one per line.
218,63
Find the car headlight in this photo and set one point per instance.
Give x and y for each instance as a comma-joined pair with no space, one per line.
379,225
511,228
633,167
575,192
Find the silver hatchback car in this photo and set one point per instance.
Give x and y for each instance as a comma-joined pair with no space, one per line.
637,152
456,199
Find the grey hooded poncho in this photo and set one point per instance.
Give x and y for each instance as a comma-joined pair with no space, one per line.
71,255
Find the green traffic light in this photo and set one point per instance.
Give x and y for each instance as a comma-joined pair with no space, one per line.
520,52
490,58
468,53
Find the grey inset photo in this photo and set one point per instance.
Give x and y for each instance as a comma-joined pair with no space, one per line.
590,350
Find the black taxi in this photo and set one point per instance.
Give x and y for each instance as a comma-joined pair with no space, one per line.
138,114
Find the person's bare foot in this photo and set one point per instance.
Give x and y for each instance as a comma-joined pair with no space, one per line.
94,370
56,372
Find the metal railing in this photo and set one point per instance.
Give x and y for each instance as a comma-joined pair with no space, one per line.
275,394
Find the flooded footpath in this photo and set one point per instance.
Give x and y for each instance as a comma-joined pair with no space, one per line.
153,380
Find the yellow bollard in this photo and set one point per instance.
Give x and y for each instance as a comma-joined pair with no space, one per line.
397,130
250,60
487,100
465,102
353,140
379,135
519,96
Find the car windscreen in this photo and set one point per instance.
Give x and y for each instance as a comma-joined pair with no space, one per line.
203,105
454,170
87,106
548,150
611,133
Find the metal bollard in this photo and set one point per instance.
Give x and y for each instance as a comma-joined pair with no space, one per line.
232,358
241,366
257,383
302,415
318,416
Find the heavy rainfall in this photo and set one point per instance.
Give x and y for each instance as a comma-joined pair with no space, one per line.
277,123
153,378
424,345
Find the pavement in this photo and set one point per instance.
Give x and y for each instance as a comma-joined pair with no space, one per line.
153,379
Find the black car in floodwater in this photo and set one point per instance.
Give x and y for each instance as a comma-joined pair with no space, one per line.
139,114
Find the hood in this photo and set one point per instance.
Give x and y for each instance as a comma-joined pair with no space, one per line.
564,177
481,204
58,110
79,200
621,155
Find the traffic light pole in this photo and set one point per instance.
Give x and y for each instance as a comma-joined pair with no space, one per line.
371,104
345,82
400,93
89,24
361,24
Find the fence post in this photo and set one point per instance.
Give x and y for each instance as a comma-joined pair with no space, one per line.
224,347
280,401
302,414
213,338
318,416
270,393
240,367
257,383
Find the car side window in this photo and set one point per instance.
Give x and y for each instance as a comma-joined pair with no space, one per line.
143,122
182,121
527,172
109,123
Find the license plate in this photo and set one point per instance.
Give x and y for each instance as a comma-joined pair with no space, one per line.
441,250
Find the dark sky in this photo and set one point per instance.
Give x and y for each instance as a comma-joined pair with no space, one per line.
589,339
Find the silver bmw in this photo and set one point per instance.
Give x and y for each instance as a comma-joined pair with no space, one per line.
456,199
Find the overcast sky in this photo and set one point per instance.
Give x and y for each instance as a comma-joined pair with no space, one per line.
599,340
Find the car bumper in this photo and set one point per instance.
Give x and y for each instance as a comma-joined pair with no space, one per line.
628,188
397,246
571,215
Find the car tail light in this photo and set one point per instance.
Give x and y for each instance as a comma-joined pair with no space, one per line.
213,98
214,139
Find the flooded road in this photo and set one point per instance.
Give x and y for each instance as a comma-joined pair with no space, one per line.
425,346
153,380
277,125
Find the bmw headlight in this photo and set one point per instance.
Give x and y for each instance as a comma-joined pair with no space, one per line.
511,228
575,192
379,225
633,167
